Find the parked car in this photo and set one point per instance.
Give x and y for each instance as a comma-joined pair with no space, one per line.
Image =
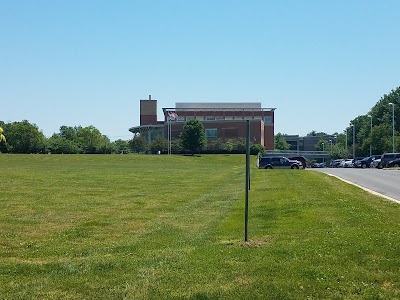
365,162
318,165
394,163
346,163
278,162
349,163
335,163
375,163
302,159
357,159
386,157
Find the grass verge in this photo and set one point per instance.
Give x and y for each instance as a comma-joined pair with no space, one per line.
171,227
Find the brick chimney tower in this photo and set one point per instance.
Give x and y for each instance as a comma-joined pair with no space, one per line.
148,112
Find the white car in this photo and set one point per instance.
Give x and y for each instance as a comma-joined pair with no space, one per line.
375,163
346,163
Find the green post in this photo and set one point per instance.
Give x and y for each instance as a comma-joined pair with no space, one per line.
247,185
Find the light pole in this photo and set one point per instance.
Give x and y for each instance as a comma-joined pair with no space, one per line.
370,133
330,141
392,104
323,145
354,140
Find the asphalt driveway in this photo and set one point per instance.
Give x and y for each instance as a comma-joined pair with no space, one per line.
384,182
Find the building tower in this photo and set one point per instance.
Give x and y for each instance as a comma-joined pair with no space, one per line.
148,112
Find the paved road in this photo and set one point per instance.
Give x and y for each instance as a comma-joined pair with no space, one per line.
384,182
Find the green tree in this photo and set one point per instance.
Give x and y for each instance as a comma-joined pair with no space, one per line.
120,146
314,133
104,145
60,145
91,140
380,137
193,136
176,146
257,149
70,133
280,142
321,145
338,151
2,136
159,144
240,145
216,146
138,144
3,141
229,146
24,137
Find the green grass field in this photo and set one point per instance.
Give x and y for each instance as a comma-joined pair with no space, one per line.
171,227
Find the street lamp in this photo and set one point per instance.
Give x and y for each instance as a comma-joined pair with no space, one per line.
370,133
354,140
330,141
392,104
323,145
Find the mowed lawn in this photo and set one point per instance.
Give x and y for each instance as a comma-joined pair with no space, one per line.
171,227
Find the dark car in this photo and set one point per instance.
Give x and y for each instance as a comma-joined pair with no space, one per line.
393,163
365,162
302,159
278,162
386,157
335,163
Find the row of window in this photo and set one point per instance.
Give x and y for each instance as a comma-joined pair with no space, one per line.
267,120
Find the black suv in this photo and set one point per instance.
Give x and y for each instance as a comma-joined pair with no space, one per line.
301,159
386,157
366,162
278,162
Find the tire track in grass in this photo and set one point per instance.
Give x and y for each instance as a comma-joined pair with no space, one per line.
174,237
201,212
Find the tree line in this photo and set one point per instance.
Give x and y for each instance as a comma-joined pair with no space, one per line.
373,132
24,137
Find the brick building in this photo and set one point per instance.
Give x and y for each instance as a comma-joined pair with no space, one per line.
220,120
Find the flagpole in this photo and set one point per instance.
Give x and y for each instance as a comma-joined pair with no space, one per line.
168,130
170,136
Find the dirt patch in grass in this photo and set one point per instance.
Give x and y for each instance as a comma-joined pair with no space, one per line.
251,244
254,244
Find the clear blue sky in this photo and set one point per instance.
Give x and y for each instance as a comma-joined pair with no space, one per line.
319,63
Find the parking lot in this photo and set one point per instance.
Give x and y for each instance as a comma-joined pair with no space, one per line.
385,182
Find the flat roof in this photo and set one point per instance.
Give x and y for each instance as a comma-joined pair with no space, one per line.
218,105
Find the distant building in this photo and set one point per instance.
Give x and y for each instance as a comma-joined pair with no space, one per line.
308,143
220,120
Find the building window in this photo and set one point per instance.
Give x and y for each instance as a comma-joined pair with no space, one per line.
210,118
181,119
211,134
268,120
